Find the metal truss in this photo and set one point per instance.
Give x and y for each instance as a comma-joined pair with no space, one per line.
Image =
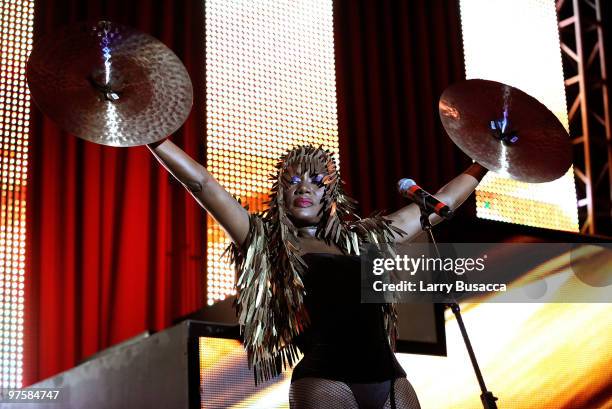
581,31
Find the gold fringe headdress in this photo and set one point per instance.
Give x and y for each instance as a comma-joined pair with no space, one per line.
270,290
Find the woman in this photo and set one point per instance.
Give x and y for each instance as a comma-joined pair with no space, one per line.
290,262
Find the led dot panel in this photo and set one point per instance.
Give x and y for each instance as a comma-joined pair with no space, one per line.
517,43
227,382
16,23
270,85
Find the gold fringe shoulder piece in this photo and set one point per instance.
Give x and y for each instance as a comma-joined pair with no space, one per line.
269,303
380,232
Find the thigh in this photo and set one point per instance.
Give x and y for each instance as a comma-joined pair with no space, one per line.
319,393
405,396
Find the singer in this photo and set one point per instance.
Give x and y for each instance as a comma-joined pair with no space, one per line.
290,261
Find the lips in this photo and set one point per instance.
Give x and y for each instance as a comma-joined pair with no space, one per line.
302,202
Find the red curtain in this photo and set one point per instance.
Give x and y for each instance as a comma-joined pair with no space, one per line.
114,247
393,60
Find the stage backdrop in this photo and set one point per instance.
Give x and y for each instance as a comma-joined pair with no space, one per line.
393,60
115,247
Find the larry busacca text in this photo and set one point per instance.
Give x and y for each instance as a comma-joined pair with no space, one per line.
430,275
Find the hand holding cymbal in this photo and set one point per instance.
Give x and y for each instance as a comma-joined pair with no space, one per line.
110,84
506,130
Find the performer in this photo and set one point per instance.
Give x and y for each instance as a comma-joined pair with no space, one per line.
293,259
298,278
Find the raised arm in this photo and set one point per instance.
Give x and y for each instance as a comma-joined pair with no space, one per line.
221,205
452,194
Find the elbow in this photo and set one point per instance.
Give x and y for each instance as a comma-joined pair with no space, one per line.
194,186
197,183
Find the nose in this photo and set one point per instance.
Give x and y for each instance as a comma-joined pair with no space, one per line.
304,187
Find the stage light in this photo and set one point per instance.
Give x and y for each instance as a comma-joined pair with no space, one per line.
517,43
265,59
16,21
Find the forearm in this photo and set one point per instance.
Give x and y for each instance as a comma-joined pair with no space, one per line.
180,165
221,205
453,194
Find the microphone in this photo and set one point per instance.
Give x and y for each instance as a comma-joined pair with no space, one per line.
410,190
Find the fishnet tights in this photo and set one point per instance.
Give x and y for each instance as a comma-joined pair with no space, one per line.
319,393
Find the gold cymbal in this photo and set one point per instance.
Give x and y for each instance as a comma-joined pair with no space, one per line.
109,84
506,130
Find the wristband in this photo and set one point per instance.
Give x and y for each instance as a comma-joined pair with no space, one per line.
477,171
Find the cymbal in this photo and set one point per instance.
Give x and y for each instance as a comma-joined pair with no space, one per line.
506,130
109,84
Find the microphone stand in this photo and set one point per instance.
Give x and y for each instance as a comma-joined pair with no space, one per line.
487,398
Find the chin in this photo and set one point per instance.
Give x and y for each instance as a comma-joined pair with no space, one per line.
304,217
